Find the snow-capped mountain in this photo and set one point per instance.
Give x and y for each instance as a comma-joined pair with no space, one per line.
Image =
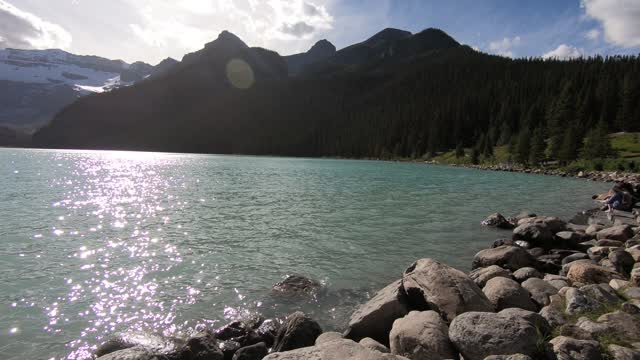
36,84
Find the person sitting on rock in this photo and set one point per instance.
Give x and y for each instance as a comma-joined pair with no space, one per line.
620,200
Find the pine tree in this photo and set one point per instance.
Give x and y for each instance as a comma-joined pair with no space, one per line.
475,156
524,146
562,113
568,151
536,155
459,151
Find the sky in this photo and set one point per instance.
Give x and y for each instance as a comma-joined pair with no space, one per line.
151,30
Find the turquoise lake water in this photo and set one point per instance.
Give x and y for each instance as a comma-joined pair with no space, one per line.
97,242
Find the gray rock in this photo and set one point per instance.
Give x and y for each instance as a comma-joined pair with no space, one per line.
421,336
535,234
268,331
229,348
202,346
566,348
618,285
568,239
577,302
602,293
535,319
480,276
540,291
508,257
505,293
253,352
525,273
587,273
328,336
297,284
574,257
430,284
593,229
369,343
133,353
334,350
498,221
635,276
479,334
620,322
554,224
298,331
152,343
375,318
622,353
537,251
590,329
508,357
554,312
632,293
610,243
619,232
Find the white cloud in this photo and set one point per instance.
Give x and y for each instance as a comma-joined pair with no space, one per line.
186,25
21,29
593,34
505,46
620,20
564,52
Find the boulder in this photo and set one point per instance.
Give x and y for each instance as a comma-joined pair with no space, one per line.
568,239
574,257
577,302
498,221
369,343
252,352
268,330
566,348
375,318
554,312
229,348
622,323
619,232
296,285
618,285
535,319
537,251
525,273
588,273
231,330
602,293
540,291
554,224
480,276
334,350
421,336
133,353
534,234
152,343
328,336
202,346
593,229
622,353
635,252
508,257
432,285
479,334
508,357
634,277
298,331
610,243
505,293
622,261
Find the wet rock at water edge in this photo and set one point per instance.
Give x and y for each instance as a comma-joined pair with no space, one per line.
422,335
432,285
133,353
297,285
508,257
375,318
202,346
152,343
334,350
253,352
498,221
297,331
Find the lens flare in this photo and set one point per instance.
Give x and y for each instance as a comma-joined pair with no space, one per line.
240,74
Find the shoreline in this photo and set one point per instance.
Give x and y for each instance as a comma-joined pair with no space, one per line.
555,290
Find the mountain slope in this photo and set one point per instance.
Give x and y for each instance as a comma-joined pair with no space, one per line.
393,95
318,52
38,83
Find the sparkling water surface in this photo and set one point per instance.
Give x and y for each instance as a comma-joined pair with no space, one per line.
95,242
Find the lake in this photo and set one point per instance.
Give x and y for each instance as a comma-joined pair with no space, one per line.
95,242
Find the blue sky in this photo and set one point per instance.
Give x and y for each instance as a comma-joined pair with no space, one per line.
151,30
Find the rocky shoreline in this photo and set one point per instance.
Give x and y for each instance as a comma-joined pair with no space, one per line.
554,289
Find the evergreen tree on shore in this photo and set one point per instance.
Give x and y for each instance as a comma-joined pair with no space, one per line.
536,155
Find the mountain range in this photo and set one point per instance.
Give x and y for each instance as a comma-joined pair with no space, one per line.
395,94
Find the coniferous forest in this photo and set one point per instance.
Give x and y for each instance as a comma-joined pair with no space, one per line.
395,95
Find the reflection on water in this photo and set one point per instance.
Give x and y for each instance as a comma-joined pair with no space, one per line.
98,242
